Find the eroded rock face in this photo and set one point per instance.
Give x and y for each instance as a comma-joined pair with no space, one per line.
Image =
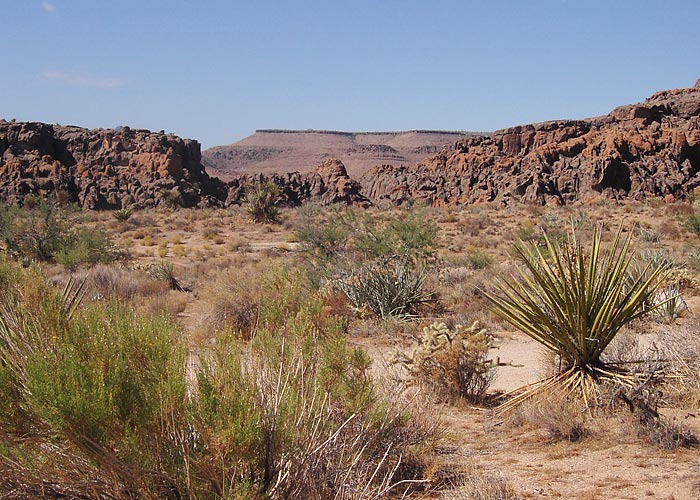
110,169
651,149
329,183
102,169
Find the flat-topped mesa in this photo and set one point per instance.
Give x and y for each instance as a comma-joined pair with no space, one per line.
102,168
278,151
650,149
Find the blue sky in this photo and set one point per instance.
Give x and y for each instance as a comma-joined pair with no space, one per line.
217,70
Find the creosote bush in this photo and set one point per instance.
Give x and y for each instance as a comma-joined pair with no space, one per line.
43,231
453,362
98,404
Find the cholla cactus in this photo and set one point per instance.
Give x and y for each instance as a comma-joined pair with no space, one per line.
452,361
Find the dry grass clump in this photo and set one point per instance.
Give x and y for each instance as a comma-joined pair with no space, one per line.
477,484
452,361
643,400
562,418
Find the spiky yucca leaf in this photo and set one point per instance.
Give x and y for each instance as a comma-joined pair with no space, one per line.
574,302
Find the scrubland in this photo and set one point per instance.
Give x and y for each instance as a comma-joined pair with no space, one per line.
333,352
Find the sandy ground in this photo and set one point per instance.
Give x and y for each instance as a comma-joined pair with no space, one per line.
612,462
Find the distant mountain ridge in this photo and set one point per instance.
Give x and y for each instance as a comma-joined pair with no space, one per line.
283,151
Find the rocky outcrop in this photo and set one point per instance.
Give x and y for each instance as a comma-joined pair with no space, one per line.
651,149
102,169
329,183
109,169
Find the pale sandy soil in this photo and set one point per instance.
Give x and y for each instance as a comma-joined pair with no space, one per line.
610,463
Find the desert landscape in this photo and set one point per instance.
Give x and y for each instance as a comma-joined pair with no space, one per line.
374,332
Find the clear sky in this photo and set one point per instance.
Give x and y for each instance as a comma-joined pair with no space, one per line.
217,70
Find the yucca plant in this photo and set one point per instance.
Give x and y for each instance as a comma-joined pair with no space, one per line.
574,303
389,287
123,214
261,201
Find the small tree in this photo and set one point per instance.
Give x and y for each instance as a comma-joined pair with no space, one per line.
261,201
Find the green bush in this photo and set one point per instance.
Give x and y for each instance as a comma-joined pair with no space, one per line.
261,201
364,237
692,223
99,400
46,232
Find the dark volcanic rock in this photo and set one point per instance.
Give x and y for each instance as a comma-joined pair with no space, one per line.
107,169
651,149
328,183
100,169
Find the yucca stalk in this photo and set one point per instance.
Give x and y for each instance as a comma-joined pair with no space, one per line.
574,303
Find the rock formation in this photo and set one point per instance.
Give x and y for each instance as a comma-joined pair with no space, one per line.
108,169
327,184
286,151
651,149
100,169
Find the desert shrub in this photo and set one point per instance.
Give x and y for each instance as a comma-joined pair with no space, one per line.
526,231
38,233
179,250
241,301
362,236
97,400
574,303
86,245
473,259
643,399
692,223
562,418
393,287
453,362
123,214
326,235
379,264
70,373
109,283
261,201
649,235
409,234
47,232
318,434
